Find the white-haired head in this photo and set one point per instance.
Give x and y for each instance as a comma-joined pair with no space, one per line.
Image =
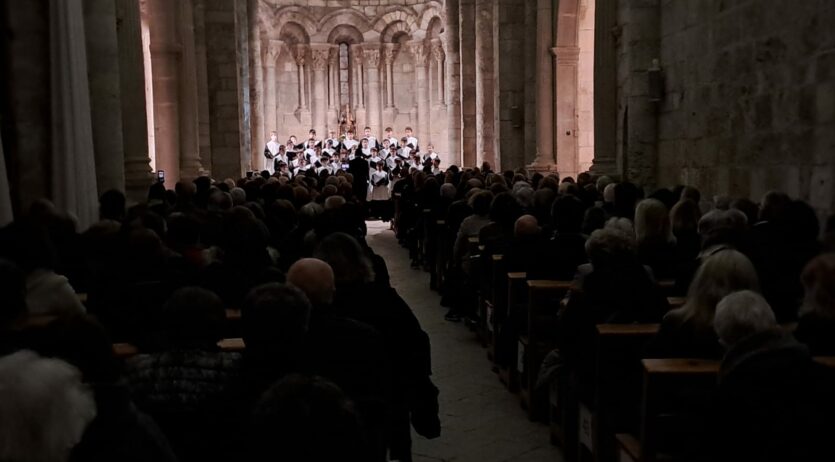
44,408
742,314
238,196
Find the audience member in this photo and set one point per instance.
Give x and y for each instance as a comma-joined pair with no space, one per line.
687,332
773,402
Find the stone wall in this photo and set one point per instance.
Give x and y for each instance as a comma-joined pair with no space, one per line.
25,104
301,29
749,102
510,29
224,159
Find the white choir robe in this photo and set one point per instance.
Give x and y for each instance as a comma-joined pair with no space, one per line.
394,141
379,193
269,164
349,144
413,141
330,169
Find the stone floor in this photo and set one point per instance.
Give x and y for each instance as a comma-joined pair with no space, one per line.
481,420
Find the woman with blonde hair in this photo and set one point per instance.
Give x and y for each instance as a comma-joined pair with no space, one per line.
816,326
653,234
688,332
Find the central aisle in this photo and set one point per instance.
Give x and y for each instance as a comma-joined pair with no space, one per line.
481,421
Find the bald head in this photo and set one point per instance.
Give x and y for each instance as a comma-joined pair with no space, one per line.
526,225
315,278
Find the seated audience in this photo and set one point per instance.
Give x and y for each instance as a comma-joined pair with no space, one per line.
188,384
274,322
306,418
773,402
656,243
687,332
44,408
612,288
816,326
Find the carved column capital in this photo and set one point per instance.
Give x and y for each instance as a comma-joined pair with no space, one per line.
372,57
272,50
419,52
300,54
334,54
438,51
320,56
389,53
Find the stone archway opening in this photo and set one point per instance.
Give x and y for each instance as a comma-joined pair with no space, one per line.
585,86
574,114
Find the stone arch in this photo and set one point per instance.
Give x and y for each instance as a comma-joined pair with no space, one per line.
345,33
394,30
341,18
434,28
295,15
393,15
430,11
293,33
574,115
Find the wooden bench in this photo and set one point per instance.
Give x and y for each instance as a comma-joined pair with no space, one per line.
127,350
442,254
516,295
537,341
612,404
675,392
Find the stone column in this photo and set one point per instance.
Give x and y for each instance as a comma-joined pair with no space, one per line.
485,84
358,83
605,89
105,93
134,120
453,70
190,163
256,89
643,36
468,77
272,49
372,68
301,56
420,55
320,55
545,157
6,212
162,19
333,88
566,116
438,54
389,52
73,166
204,122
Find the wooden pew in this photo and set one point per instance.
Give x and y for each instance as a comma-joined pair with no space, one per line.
537,341
675,391
442,255
516,295
494,305
127,350
616,389
486,301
